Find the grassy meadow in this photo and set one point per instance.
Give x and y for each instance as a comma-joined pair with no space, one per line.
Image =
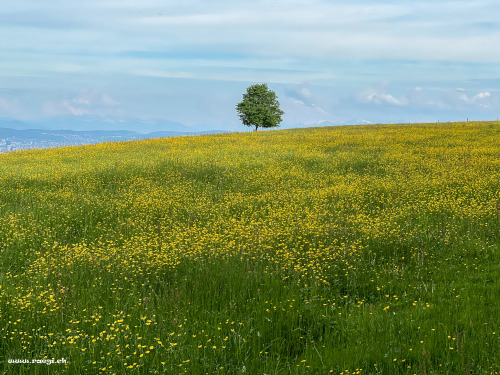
343,250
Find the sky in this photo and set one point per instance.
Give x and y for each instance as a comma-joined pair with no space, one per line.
346,61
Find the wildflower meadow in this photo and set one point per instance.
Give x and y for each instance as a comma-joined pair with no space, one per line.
343,250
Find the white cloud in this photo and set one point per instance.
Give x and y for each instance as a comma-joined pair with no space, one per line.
459,99
297,102
7,105
93,98
108,101
380,97
10,107
483,99
86,102
301,96
305,93
476,99
74,110
80,101
64,107
481,95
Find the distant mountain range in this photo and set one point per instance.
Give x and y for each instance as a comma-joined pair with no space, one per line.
76,130
348,122
89,122
68,130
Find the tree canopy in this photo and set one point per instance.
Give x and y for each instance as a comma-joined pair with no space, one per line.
260,107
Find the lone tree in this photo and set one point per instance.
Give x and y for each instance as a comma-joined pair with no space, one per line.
260,107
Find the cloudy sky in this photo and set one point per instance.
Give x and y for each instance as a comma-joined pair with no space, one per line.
190,61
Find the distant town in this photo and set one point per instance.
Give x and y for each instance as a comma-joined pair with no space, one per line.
18,135
15,140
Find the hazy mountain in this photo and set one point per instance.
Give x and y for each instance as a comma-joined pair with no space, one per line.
327,123
89,122
12,123
76,130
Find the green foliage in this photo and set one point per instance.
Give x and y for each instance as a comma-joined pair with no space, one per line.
260,107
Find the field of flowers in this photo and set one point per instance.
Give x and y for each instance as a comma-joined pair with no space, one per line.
344,250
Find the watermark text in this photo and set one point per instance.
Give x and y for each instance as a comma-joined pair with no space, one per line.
38,361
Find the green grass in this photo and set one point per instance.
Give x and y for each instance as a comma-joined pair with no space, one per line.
344,250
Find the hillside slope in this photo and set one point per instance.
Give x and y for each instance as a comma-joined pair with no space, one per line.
354,250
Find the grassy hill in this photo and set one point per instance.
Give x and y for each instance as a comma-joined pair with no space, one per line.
344,250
